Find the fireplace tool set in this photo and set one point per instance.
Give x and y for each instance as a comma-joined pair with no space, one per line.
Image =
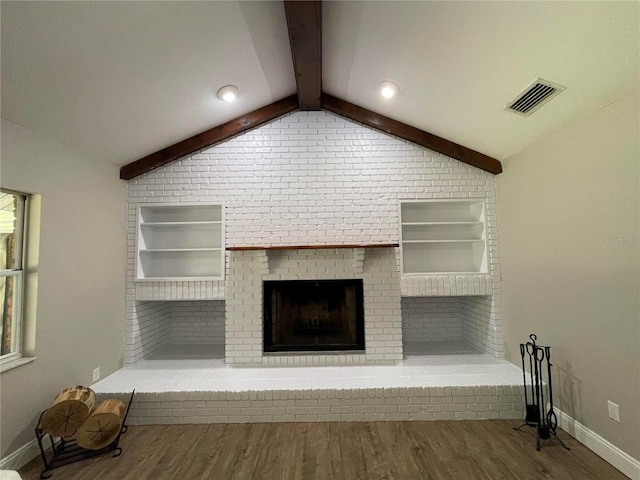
545,421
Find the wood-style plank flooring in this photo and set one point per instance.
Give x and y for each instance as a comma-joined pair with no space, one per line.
488,450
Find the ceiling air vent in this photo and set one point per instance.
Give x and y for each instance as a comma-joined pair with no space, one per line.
533,97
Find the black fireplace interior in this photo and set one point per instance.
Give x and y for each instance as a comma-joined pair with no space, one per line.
313,315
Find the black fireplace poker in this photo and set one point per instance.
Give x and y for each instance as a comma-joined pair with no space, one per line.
536,415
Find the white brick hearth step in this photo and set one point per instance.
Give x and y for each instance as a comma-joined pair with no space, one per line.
435,387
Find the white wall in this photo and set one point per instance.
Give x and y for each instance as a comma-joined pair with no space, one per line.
81,291
569,223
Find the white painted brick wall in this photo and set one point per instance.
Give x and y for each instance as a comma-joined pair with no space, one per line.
314,178
446,285
243,304
474,319
183,290
382,309
429,319
152,330
482,326
311,177
197,322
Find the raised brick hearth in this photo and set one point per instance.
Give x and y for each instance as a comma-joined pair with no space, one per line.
470,386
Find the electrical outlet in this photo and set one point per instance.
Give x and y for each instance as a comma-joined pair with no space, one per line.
614,411
96,374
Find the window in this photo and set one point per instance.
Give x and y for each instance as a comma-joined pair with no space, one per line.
12,235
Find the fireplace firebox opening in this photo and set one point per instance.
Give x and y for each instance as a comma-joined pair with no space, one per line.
313,315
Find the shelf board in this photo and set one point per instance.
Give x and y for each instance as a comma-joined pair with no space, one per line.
177,224
477,240
308,247
406,224
199,278
152,250
426,274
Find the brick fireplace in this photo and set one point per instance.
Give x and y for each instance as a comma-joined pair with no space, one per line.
313,179
376,267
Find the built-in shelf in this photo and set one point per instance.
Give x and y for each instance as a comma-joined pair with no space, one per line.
442,236
180,242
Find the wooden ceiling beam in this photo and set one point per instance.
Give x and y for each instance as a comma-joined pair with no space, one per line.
210,137
412,134
304,22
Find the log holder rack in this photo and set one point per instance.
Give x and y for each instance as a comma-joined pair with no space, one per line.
67,451
536,414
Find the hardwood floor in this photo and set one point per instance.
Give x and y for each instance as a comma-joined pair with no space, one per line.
467,450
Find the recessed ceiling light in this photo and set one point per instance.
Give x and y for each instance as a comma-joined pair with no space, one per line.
388,89
228,93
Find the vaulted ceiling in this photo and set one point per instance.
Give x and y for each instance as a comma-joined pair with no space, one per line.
122,80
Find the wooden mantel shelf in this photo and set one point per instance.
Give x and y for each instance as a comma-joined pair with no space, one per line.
309,247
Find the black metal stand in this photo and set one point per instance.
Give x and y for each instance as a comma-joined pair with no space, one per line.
67,450
536,415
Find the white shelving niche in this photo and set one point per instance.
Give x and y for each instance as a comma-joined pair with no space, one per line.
180,242
443,236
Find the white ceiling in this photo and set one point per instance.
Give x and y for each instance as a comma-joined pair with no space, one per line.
121,80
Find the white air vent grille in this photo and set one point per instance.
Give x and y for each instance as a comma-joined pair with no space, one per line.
533,97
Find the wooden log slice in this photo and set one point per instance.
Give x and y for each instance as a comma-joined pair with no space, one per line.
69,410
102,426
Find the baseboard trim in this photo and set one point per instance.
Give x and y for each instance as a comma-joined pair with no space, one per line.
22,456
600,446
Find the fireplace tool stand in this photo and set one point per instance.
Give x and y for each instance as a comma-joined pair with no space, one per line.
67,451
536,416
